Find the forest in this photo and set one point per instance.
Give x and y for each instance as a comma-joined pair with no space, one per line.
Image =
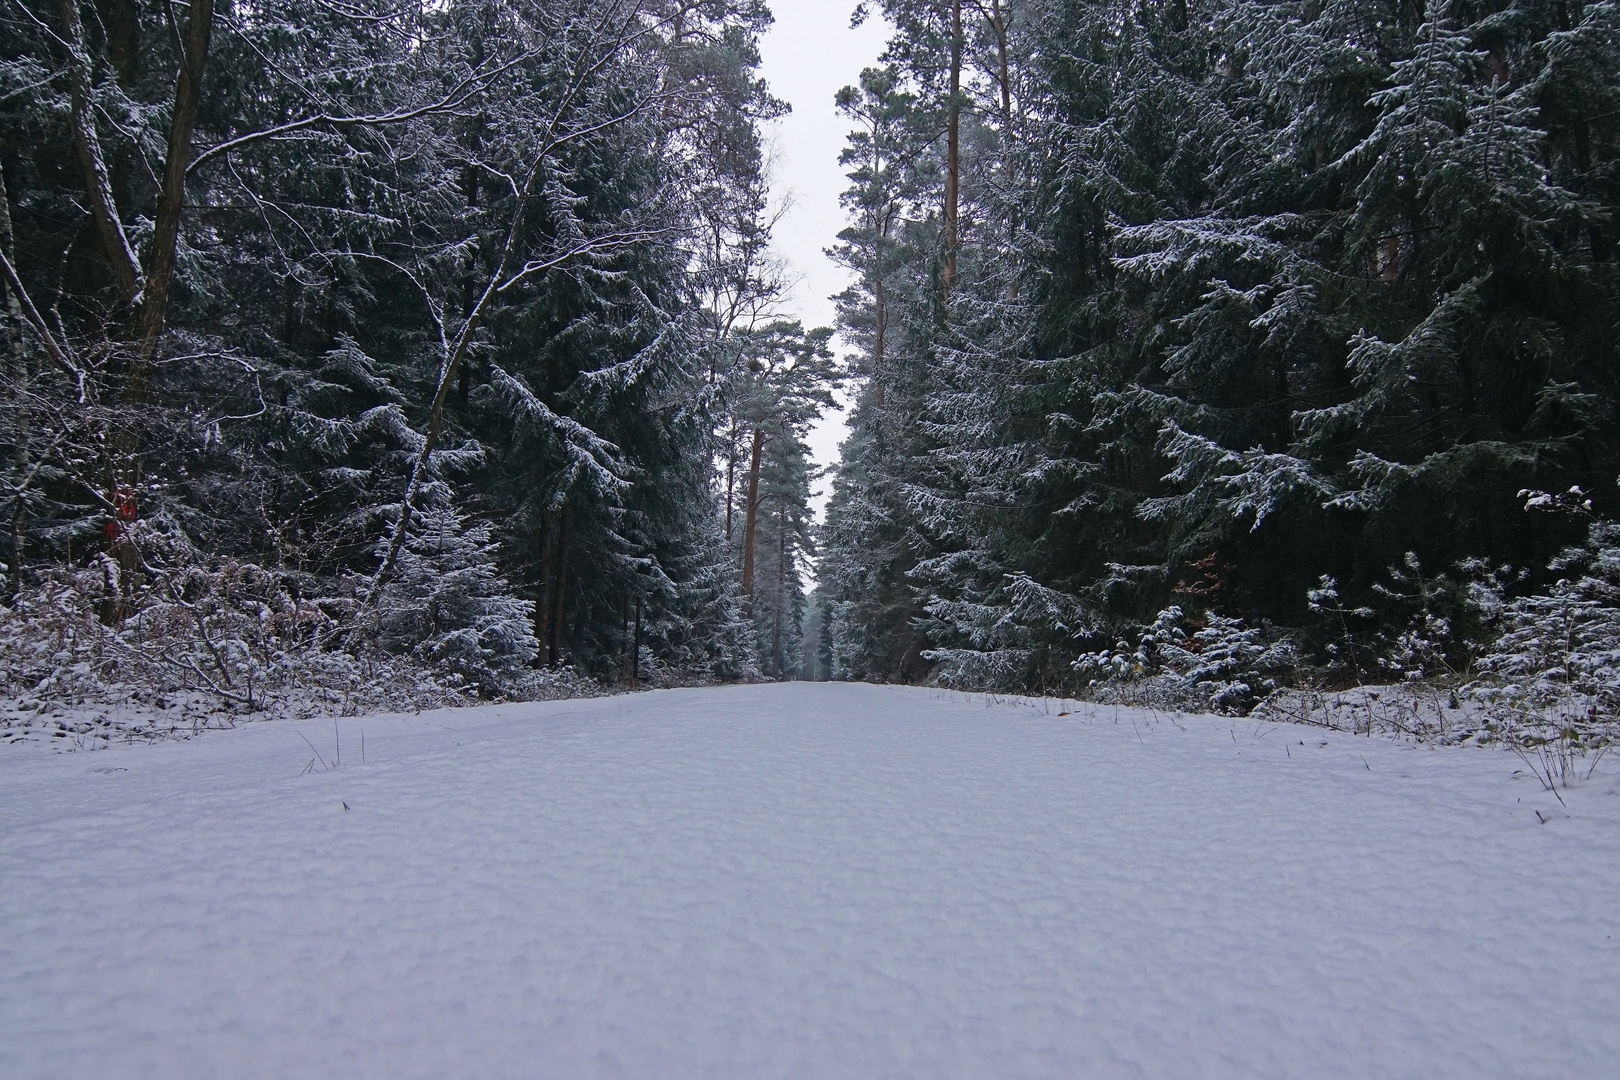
1209,348
367,353
363,354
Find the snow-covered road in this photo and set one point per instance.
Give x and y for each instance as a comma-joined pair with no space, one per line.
803,881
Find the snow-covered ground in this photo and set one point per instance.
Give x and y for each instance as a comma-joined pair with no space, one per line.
803,881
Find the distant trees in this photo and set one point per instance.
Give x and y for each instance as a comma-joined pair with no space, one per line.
785,380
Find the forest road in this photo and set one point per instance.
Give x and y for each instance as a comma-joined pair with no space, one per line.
803,880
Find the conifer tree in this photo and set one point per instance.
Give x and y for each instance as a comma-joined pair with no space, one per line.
1246,294
449,607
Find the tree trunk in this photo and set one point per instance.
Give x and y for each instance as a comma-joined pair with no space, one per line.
16,354
880,320
635,646
97,181
166,222
953,148
731,476
542,609
781,585
146,293
998,22
1285,412
17,514
121,20
562,583
751,521
17,364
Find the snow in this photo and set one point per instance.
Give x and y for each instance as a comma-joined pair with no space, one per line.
803,880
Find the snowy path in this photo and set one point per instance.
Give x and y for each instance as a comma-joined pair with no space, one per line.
803,881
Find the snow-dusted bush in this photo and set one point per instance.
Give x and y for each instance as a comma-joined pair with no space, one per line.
152,639
1421,625
1160,643
1442,622
1224,665
1427,710
1539,673
1238,664
1554,671
1345,632
201,645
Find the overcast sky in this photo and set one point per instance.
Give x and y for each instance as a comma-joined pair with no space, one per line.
808,55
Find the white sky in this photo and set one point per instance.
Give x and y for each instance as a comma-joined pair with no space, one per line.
807,56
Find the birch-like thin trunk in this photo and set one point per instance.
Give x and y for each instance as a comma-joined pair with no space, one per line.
17,362
14,313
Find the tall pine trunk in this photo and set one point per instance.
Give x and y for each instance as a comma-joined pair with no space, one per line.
781,585
880,325
731,477
998,23
953,148
751,522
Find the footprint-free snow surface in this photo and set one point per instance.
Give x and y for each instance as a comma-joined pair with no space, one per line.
803,881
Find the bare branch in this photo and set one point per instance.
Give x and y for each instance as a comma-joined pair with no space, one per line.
594,246
59,351
459,95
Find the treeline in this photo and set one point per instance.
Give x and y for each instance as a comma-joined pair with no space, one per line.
1242,328
407,333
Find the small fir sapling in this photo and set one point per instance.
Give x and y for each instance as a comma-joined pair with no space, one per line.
1238,665
448,606
1224,665
1160,645
1440,622
1344,647
1554,670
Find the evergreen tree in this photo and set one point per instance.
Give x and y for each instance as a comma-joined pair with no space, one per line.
449,607
1246,295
